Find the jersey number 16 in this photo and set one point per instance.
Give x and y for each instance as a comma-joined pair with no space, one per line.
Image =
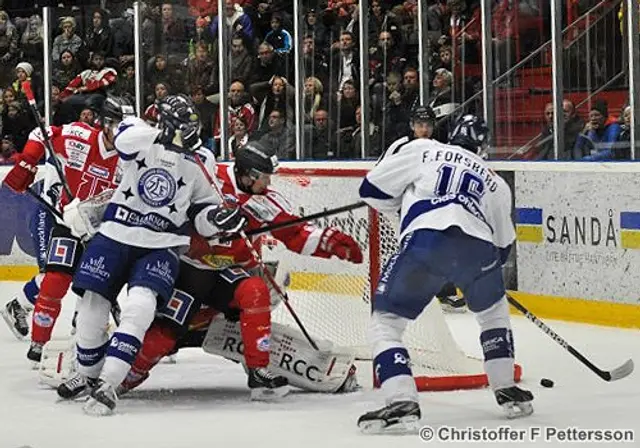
468,184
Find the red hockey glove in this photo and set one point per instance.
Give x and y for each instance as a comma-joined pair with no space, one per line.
334,242
22,174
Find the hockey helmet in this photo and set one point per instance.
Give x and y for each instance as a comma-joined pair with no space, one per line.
423,114
255,159
471,133
115,109
179,121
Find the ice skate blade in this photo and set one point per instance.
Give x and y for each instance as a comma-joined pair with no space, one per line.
409,424
8,319
448,309
517,410
97,409
266,394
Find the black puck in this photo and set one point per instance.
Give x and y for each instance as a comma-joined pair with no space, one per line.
546,382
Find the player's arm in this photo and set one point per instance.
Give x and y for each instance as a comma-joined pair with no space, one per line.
307,239
504,234
24,171
384,185
133,136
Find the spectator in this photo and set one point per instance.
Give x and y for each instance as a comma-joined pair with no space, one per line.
401,103
239,137
240,105
314,61
622,148
24,70
202,70
99,37
160,90
170,35
7,149
161,72
66,68
321,136
207,112
279,96
271,64
16,121
203,8
123,46
202,35
600,134
386,57
278,37
352,147
126,83
279,136
241,62
348,101
236,21
543,149
573,126
313,98
8,47
344,62
32,42
317,31
442,103
89,88
68,40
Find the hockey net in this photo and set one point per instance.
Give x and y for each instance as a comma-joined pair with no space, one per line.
333,297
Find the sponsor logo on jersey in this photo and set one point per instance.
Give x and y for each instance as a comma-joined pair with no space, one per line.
95,267
219,261
263,343
157,187
161,270
99,171
261,208
124,347
151,221
76,131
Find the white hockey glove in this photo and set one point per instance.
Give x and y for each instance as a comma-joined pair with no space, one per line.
84,217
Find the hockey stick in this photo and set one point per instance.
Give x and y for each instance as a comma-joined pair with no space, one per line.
26,86
293,222
607,375
257,258
44,203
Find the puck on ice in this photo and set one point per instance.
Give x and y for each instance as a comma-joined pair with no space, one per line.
546,382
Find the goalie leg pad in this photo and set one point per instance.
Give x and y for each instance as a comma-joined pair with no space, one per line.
48,305
496,339
253,299
158,342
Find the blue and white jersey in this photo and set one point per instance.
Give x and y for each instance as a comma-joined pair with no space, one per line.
160,193
437,186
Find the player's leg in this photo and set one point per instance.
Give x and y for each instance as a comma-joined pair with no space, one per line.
63,256
151,283
483,286
406,286
251,295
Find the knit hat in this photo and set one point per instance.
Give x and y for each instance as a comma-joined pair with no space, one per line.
28,68
601,106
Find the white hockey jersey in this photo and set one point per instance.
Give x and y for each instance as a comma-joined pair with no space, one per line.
437,186
161,192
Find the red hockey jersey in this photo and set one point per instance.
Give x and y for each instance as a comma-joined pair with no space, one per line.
261,210
89,167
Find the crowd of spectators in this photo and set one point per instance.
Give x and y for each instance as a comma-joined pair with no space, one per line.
93,55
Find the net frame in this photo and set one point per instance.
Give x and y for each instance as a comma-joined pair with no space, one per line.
424,381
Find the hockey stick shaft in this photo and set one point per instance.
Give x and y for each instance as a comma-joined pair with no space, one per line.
294,222
256,256
616,374
44,203
26,86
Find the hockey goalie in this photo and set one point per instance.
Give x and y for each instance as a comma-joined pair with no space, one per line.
223,304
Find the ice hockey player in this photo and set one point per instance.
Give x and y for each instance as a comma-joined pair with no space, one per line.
90,166
41,223
224,277
144,228
423,122
455,226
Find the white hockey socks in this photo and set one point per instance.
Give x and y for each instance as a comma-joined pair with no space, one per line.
496,339
91,333
390,357
138,311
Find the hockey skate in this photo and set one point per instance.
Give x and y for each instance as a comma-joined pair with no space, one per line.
35,353
265,386
78,386
516,402
399,417
16,318
102,400
453,304
132,380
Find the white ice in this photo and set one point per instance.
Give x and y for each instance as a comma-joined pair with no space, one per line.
203,401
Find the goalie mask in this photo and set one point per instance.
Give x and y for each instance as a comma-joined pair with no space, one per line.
472,134
255,161
179,121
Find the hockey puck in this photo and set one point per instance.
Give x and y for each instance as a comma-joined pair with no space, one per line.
546,382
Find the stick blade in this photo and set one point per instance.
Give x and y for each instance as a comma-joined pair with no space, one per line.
620,372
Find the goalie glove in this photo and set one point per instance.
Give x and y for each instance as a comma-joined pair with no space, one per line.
341,245
22,174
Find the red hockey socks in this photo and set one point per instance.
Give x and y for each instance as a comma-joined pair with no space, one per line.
48,305
252,297
158,342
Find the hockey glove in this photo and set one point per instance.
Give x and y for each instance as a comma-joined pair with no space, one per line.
22,174
334,242
228,218
190,137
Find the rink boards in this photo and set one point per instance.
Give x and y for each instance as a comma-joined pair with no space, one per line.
577,225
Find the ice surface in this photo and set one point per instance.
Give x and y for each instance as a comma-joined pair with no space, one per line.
202,401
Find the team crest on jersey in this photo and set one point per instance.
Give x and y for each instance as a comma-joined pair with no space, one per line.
157,187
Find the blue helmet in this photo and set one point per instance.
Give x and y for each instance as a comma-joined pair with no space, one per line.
471,133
